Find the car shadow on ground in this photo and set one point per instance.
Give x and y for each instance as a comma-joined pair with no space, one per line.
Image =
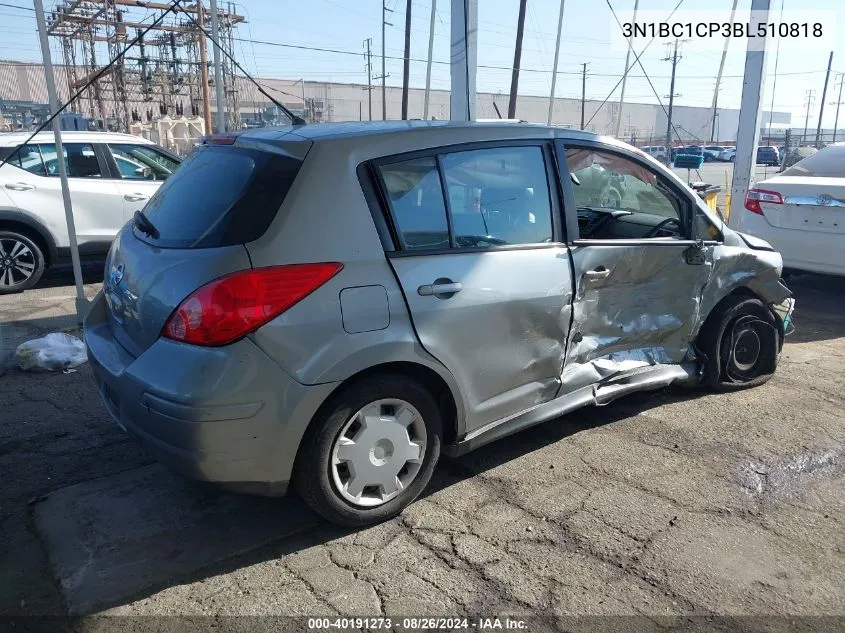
223,541
62,274
820,300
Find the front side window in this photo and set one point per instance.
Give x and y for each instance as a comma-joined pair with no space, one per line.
139,162
618,198
496,197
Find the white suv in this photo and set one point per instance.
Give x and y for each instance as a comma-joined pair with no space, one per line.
110,175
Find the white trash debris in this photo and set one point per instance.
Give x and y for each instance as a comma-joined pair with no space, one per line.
53,352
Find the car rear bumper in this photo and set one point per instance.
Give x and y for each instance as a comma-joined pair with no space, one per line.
228,415
810,251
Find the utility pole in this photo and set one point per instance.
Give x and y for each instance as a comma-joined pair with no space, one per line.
428,64
206,100
554,68
674,59
811,96
719,76
368,42
463,59
384,23
838,103
824,96
406,69
218,70
583,92
627,67
517,55
53,98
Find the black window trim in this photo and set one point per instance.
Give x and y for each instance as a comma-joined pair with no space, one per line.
689,205
385,213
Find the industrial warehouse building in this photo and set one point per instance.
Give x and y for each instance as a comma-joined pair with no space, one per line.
23,91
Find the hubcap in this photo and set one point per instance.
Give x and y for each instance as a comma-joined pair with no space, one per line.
746,349
378,452
17,262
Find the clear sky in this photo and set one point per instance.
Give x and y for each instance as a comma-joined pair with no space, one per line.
343,25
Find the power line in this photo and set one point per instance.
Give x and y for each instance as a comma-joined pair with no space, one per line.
338,51
15,6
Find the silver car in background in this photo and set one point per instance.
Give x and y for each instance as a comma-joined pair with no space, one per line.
334,306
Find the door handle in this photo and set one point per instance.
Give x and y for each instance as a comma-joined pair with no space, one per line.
20,186
441,288
597,273
135,197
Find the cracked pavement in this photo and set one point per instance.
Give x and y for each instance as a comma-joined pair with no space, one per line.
674,502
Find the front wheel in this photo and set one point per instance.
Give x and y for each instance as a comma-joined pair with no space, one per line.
740,343
371,452
21,262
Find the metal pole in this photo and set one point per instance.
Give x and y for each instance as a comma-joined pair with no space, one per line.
824,96
719,75
750,111
81,301
218,70
463,59
674,59
583,92
838,103
406,68
625,76
517,55
430,51
554,67
304,101
206,99
369,42
383,66
810,97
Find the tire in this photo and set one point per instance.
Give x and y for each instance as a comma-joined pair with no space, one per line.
323,474
740,344
21,262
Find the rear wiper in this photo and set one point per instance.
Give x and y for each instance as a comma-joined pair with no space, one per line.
143,224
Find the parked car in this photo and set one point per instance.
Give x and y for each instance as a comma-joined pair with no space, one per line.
657,151
767,155
801,211
712,152
728,155
453,285
110,176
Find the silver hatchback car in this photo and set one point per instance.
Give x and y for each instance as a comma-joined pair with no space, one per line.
334,306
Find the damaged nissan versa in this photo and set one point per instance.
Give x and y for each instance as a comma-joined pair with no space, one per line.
332,307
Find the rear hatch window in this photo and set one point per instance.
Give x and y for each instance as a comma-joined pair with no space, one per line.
220,196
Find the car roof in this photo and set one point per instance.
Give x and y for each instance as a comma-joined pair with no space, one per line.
466,129
13,139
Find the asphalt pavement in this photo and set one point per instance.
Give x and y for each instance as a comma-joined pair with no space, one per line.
674,502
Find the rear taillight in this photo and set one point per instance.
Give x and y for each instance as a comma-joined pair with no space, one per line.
755,196
229,308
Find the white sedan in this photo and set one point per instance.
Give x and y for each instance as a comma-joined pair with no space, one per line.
801,212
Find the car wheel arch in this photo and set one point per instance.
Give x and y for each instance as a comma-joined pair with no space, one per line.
32,228
739,291
428,377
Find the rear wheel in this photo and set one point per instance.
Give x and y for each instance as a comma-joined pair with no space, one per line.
741,344
371,452
21,262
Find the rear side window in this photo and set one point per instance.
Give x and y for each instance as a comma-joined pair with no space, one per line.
417,200
220,196
494,197
80,160
826,163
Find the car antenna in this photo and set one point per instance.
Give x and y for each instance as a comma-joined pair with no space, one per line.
174,7
294,119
